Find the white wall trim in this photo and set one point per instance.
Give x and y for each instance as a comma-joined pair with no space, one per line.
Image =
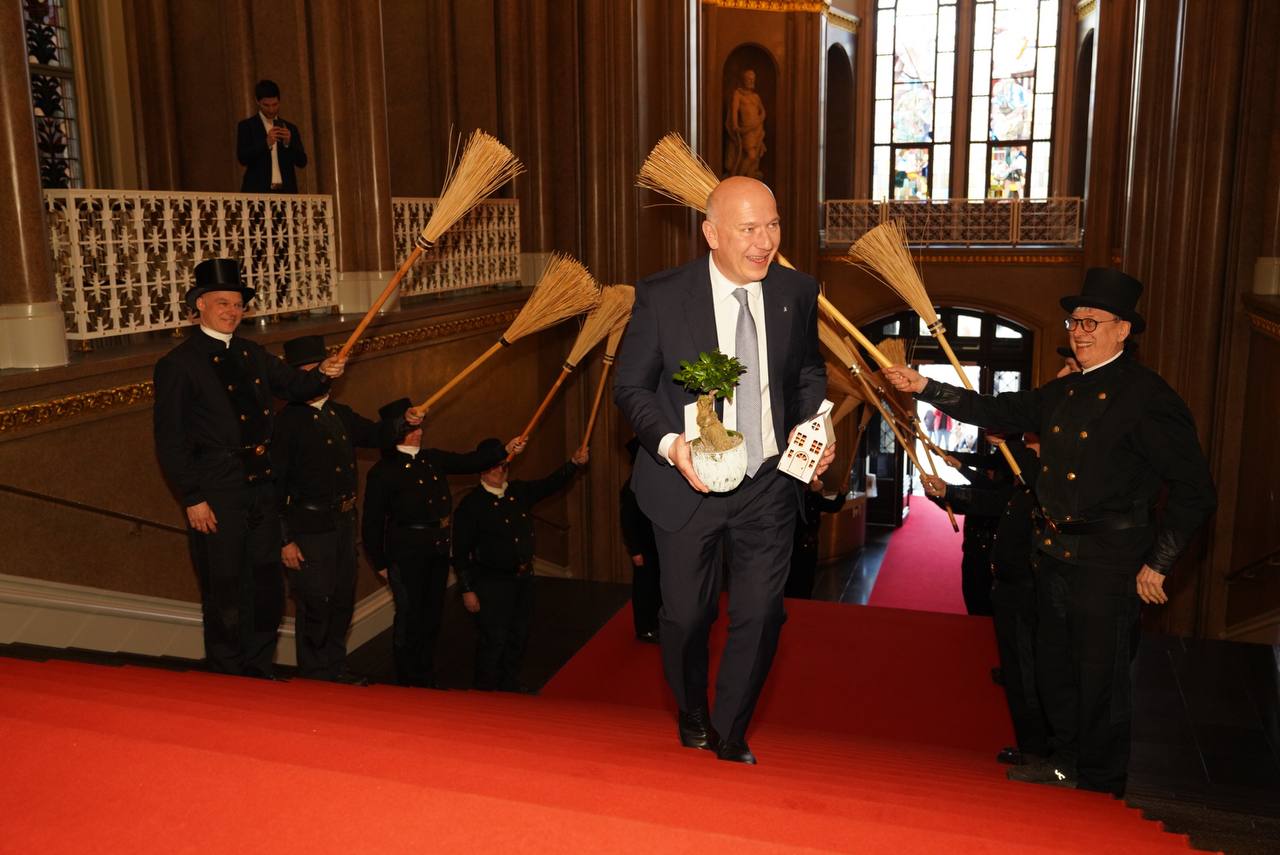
60,615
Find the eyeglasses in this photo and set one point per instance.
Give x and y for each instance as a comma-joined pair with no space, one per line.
1087,324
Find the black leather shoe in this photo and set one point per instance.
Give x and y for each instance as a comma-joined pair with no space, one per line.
649,636
1011,756
735,751
346,678
1044,772
696,730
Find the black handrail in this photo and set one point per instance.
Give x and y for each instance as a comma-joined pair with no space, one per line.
80,506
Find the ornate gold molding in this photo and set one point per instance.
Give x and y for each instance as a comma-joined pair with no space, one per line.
1266,326
68,406
842,19
99,400
1085,8
977,258
772,5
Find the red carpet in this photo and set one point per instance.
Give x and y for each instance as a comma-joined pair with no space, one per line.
921,569
877,736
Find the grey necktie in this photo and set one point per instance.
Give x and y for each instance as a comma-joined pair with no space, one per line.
747,397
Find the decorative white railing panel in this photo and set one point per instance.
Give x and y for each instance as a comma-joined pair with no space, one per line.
483,248
123,259
963,222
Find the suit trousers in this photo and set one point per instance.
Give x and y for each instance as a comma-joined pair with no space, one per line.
1086,639
241,584
418,583
502,628
1014,604
646,593
756,522
324,592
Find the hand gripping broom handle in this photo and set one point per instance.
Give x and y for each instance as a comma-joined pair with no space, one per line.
565,371
940,333
902,441
595,407
422,408
345,350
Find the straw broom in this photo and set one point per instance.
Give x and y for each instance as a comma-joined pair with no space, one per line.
564,290
610,352
485,165
848,356
614,308
884,252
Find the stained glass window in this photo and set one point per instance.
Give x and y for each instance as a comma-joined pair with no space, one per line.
52,92
914,93
1011,114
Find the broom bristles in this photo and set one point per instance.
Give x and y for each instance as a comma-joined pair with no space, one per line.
615,337
484,166
884,251
677,172
841,382
564,290
614,307
830,338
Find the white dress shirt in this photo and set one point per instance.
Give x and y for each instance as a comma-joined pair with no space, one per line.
727,308
275,157
225,338
1102,364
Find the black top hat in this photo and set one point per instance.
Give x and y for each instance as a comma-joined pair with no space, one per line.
394,410
304,350
218,274
492,444
1109,289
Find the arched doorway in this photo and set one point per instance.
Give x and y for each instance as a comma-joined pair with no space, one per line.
997,355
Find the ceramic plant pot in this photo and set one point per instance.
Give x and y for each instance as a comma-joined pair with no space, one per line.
721,471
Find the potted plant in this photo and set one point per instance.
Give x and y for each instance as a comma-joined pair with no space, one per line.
719,455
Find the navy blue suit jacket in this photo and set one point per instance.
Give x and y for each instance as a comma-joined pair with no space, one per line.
674,319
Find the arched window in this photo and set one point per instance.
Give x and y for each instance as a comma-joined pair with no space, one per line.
915,82
1011,124
1007,51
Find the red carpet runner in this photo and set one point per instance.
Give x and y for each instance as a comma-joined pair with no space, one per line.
877,735
921,569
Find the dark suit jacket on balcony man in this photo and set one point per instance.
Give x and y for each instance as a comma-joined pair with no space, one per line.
674,319
255,156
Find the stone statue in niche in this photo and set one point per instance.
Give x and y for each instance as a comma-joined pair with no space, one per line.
745,126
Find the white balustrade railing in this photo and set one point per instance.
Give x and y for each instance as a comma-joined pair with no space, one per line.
963,222
123,259
483,248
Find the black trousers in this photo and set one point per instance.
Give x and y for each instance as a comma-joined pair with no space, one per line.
1085,643
241,585
804,569
502,628
1014,604
756,522
975,579
324,594
418,583
646,593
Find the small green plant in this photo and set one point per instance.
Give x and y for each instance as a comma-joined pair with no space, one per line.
712,375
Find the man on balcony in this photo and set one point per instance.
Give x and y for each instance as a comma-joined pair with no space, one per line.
268,147
213,424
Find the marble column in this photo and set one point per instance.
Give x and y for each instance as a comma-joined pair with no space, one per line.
352,159
32,334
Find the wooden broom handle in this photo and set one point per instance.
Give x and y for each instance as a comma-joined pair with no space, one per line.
595,407
345,350
964,378
422,408
836,315
906,446
546,402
